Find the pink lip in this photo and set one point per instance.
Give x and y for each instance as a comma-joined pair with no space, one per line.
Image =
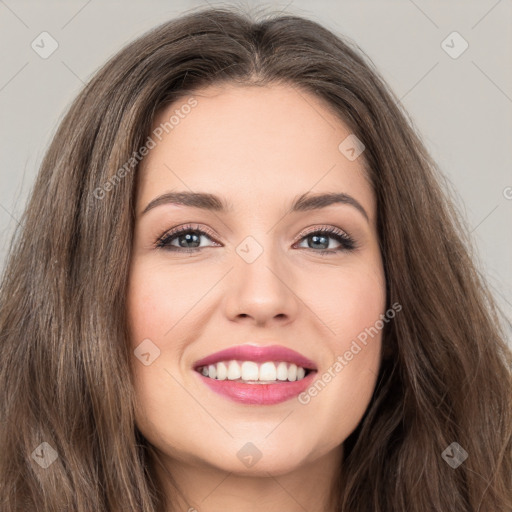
258,355
259,394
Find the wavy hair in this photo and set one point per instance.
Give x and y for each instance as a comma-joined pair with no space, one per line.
65,376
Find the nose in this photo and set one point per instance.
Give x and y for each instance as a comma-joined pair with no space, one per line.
262,291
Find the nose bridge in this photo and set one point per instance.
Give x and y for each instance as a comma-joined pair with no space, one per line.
260,286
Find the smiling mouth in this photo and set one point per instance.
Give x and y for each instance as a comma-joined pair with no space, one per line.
251,372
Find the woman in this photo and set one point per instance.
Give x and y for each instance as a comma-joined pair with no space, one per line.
332,346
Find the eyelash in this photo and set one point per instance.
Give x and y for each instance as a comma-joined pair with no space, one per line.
347,243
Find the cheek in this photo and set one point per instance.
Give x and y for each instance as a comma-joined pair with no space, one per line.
352,304
348,301
359,328
150,310
144,308
153,307
156,301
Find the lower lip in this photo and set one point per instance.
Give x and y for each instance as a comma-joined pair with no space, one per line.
258,394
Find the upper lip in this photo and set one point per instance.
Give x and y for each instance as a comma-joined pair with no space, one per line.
258,354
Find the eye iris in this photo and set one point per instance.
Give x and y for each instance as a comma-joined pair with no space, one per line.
317,238
190,237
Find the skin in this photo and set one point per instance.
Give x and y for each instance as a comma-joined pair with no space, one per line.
258,147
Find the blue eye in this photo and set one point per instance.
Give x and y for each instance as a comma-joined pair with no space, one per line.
185,234
320,237
189,239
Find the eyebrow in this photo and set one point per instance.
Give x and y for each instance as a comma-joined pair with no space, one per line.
206,201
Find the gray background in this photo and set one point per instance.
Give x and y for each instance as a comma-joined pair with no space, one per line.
462,106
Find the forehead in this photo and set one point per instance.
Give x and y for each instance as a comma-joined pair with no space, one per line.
248,142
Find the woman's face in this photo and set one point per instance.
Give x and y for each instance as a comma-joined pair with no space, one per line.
258,276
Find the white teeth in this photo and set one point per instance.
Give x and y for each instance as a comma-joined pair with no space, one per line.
292,372
249,371
282,371
268,371
212,371
222,371
234,371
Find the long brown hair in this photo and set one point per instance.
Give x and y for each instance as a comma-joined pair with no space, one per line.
65,375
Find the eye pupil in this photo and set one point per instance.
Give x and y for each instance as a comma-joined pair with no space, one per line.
317,238
190,237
